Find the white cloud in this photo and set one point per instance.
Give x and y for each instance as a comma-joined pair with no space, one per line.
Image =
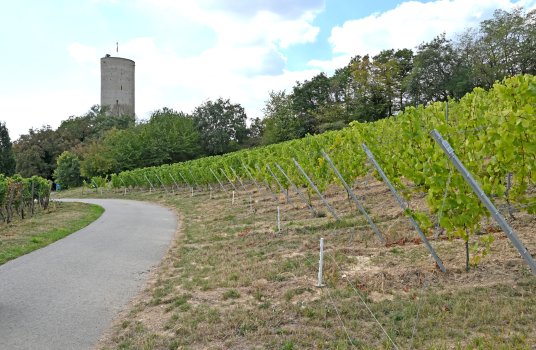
242,74
241,60
244,23
47,107
83,54
408,25
243,64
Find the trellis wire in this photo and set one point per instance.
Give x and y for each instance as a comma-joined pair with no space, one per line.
356,201
228,179
445,146
440,214
216,177
282,189
238,178
403,204
366,306
326,204
297,190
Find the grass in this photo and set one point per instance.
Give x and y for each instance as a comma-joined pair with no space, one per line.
232,282
45,227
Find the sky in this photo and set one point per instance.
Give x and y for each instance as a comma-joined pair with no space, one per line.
188,52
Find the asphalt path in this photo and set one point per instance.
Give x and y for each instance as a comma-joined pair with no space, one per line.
64,296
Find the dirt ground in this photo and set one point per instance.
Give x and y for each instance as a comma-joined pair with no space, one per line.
232,280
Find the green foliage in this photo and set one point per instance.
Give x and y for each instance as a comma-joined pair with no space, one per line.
280,122
438,72
19,195
67,173
168,136
96,159
367,89
222,126
92,126
99,182
7,158
231,294
492,133
502,46
307,98
37,151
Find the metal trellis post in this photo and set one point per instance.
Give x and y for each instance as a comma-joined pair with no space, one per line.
186,181
281,188
296,189
239,179
193,178
174,181
216,177
445,146
146,178
227,177
267,185
331,210
251,177
404,207
161,182
354,198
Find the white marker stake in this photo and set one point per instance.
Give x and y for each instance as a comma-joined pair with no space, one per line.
321,264
233,197
278,219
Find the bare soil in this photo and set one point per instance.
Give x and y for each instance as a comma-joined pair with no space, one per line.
231,280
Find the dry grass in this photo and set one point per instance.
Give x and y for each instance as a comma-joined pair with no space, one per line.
232,282
46,226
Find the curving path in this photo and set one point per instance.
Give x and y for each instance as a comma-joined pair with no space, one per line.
65,295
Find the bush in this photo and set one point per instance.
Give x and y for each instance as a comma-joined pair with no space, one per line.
67,172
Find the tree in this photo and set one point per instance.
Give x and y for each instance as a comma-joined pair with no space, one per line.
307,99
91,126
255,132
502,46
167,137
171,137
37,151
371,101
438,72
390,71
222,126
7,158
97,160
340,106
280,121
67,172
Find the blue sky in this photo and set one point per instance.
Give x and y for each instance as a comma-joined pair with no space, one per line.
189,51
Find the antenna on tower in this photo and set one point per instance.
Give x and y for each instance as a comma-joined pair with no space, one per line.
117,47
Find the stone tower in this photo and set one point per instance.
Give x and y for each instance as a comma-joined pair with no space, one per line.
117,85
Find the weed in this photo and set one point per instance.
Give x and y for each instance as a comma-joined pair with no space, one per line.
231,294
226,254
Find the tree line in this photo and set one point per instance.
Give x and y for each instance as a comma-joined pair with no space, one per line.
368,88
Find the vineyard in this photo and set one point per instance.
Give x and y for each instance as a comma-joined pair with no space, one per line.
492,132
412,255
22,196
